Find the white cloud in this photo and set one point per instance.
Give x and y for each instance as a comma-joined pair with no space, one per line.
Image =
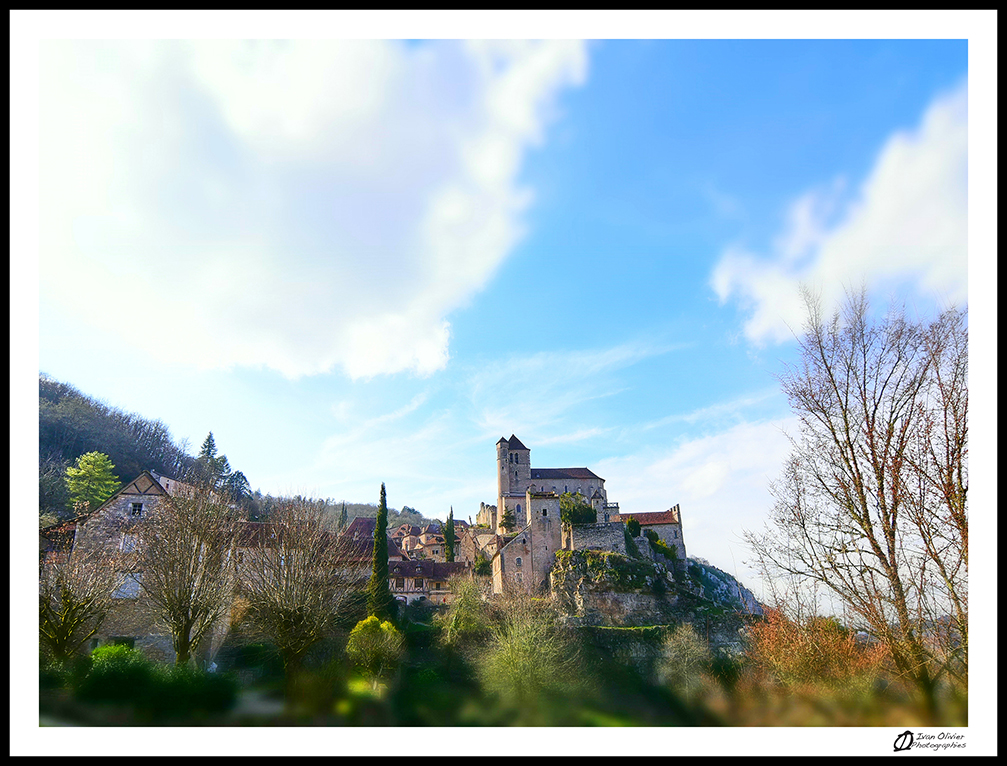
293,205
535,395
907,225
720,481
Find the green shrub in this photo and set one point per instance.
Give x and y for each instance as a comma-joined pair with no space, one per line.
263,659
118,674
483,566
631,549
376,647
633,527
181,691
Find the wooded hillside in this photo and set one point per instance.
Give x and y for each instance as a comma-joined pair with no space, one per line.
71,423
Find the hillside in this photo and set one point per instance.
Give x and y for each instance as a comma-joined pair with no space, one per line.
71,423
723,588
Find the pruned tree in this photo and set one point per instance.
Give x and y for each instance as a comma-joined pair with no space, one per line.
872,502
376,647
184,554
299,580
74,597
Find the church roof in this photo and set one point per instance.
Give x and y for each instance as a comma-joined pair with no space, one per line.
514,443
563,473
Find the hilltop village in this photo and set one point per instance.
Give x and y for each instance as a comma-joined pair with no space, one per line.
521,542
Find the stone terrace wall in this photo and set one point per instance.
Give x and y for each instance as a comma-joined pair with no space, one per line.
602,536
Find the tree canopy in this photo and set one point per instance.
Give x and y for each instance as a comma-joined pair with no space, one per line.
91,482
872,502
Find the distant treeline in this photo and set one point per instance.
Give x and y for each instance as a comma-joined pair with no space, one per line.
71,423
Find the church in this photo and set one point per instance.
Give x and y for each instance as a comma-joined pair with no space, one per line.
522,559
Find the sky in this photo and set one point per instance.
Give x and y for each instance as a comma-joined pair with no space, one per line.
364,261
360,261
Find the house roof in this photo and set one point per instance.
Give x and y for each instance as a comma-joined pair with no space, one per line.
670,516
144,484
563,473
361,549
435,570
362,527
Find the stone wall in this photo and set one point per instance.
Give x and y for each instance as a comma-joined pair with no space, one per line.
600,537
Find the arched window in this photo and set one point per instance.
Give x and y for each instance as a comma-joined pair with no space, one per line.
518,507
517,561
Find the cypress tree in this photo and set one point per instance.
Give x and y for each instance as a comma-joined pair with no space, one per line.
380,602
342,517
449,537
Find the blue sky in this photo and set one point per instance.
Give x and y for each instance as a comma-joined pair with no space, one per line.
366,261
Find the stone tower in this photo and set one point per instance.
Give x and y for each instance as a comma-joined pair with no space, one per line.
546,538
513,478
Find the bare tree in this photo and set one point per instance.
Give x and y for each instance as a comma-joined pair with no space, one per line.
298,579
74,597
872,501
185,556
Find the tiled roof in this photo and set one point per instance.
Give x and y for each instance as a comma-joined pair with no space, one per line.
435,570
563,473
648,519
362,527
515,443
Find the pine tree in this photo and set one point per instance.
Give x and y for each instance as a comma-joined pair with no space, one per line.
380,602
449,537
208,452
91,481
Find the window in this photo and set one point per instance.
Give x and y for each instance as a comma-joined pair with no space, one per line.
128,544
418,582
545,511
517,561
136,509
518,507
518,577
129,585
437,586
127,641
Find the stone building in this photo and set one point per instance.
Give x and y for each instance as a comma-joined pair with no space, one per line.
667,524
515,477
522,559
112,527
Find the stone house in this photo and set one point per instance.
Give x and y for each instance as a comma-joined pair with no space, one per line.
112,527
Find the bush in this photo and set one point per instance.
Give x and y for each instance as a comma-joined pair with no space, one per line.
466,619
483,566
376,647
532,666
815,651
118,674
633,527
181,691
124,676
685,657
